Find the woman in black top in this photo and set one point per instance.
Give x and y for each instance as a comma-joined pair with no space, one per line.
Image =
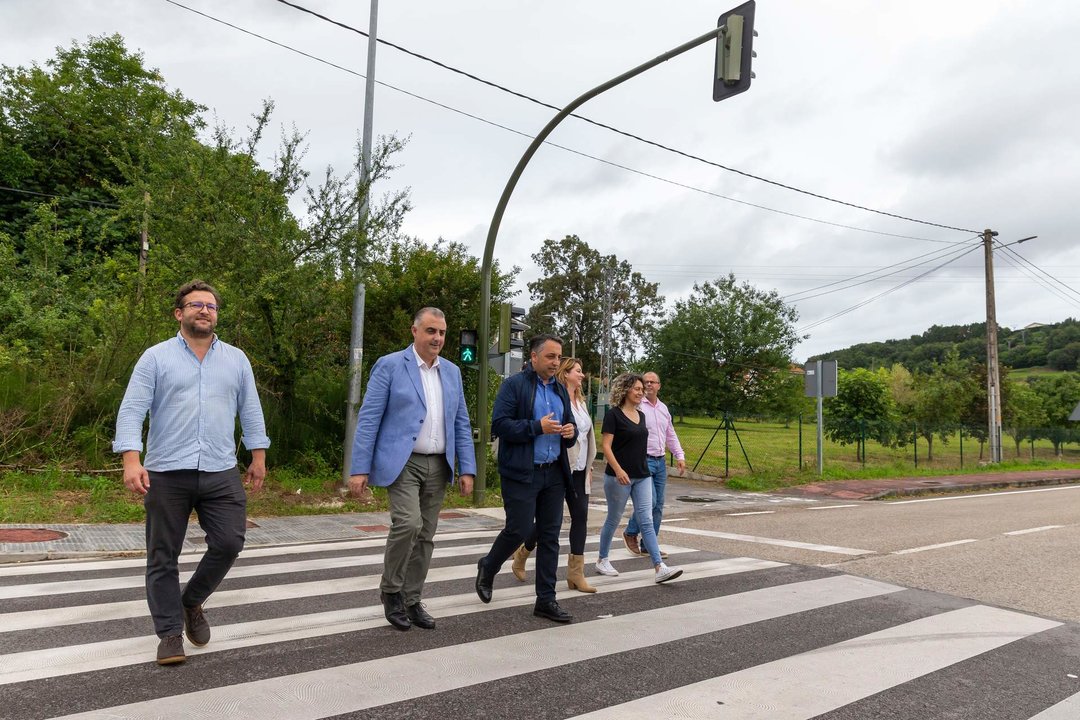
626,441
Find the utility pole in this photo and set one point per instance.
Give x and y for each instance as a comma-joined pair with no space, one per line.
993,375
356,341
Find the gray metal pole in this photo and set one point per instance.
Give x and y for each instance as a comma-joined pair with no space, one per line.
356,340
820,423
493,234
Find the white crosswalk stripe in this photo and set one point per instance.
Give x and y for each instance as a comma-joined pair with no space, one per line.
298,632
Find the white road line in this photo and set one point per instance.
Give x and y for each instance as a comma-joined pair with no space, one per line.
49,567
359,686
830,507
981,496
933,547
754,512
773,541
1034,530
1067,709
68,660
817,682
54,617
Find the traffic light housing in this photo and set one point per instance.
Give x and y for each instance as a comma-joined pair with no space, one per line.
734,52
467,349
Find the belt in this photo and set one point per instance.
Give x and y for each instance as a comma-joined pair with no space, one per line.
429,454
541,466
656,457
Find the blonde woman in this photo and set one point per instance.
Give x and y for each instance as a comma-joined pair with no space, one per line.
625,443
577,497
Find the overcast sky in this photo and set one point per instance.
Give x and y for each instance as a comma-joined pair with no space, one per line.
964,113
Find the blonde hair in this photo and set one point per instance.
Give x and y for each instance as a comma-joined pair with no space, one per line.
621,386
565,367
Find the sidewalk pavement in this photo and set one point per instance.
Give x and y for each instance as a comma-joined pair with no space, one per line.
24,543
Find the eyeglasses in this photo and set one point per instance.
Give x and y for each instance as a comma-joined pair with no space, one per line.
652,382
210,307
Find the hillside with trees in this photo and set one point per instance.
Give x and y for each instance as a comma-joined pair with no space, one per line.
1056,346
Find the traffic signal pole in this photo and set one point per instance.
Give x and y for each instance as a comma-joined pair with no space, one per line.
482,420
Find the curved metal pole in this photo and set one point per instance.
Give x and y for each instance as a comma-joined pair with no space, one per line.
493,232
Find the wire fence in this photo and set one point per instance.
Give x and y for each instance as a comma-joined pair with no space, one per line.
730,446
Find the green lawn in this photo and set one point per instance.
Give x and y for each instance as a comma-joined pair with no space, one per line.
772,449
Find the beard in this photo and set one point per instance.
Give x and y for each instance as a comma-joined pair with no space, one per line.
198,327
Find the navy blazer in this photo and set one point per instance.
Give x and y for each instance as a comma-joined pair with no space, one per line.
393,413
512,422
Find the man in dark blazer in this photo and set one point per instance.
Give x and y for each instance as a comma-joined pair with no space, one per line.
534,422
412,433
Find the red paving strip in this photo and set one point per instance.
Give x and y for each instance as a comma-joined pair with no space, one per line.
450,515
372,528
905,486
28,535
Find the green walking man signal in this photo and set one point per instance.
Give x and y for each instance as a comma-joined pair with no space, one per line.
468,347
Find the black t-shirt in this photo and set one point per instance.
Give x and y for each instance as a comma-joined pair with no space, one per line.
629,444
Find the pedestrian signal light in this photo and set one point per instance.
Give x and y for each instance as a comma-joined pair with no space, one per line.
468,347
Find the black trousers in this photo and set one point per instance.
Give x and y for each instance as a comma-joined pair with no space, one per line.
221,504
578,503
532,509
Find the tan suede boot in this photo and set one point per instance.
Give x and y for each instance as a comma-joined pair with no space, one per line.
575,574
520,556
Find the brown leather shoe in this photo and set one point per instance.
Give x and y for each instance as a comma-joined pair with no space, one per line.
631,542
196,626
170,650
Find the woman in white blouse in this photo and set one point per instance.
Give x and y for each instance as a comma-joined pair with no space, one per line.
581,457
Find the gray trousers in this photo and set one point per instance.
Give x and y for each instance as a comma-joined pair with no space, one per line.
416,498
220,501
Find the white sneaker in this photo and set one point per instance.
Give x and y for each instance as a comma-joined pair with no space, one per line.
665,573
604,567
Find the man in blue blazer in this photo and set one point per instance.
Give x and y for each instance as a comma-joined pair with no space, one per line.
412,433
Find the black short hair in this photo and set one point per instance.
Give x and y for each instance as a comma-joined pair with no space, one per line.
195,286
538,340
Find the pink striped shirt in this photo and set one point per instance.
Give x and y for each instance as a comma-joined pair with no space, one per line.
661,429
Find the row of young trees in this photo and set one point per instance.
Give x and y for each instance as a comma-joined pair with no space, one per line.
895,406
95,148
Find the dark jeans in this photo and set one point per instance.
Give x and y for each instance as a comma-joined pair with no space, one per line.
578,503
220,501
532,508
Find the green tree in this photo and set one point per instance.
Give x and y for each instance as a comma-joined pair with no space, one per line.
862,409
941,397
1023,414
576,283
1059,395
725,349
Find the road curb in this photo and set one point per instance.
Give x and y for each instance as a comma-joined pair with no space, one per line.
967,487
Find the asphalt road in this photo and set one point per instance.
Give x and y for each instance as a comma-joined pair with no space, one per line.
1017,548
298,633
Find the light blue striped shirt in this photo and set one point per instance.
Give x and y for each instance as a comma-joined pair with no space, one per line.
192,406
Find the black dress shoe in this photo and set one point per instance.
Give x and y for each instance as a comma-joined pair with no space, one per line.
550,609
483,582
420,617
394,609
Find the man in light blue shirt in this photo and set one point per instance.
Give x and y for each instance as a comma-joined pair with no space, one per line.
193,385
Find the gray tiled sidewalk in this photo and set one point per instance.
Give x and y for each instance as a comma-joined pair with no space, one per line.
93,540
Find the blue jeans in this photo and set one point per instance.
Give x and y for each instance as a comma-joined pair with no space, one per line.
658,470
641,491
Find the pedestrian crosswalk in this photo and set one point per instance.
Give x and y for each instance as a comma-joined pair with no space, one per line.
298,632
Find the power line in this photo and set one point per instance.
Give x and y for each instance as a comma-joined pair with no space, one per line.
72,198
906,266
1037,268
492,123
1046,285
869,300
613,129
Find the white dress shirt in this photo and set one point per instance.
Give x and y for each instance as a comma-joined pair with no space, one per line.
432,437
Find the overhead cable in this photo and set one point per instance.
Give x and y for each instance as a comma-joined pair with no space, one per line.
613,129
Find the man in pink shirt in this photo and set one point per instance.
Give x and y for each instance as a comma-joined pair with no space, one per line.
662,437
